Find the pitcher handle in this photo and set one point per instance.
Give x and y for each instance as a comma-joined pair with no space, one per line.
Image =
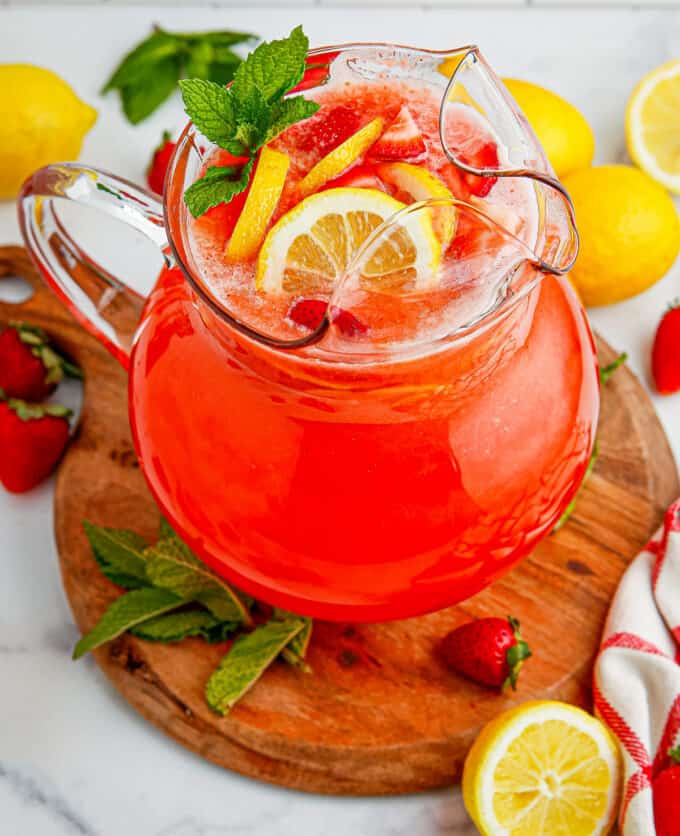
108,307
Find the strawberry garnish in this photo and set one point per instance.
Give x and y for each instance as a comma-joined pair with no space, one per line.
329,126
489,651
666,796
483,156
30,368
401,140
310,313
359,177
666,352
347,323
317,70
32,439
155,174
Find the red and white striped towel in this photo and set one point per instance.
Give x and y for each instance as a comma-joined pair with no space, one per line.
637,674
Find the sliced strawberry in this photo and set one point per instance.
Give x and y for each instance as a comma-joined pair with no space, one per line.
316,72
308,312
359,177
401,140
484,156
347,323
324,131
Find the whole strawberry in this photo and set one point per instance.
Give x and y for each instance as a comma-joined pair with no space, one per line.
155,174
32,439
489,651
666,352
29,368
666,793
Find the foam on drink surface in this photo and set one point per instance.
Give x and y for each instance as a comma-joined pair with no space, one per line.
511,202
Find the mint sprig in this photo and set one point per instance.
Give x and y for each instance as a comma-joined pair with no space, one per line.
149,73
173,596
247,115
248,658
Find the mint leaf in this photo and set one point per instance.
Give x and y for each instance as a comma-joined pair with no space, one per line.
254,116
246,661
199,56
141,61
141,97
172,565
175,626
119,554
216,187
273,68
223,68
295,652
210,108
149,73
246,115
125,612
218,39
287,112
165,529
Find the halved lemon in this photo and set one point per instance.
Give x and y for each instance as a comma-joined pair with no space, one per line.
653,125
543,769
308,249
341,158
263,198
420,184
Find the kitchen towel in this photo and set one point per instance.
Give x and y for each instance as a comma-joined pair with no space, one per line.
636,680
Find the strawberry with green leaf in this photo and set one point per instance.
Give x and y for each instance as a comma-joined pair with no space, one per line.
489,651
31,368
32,440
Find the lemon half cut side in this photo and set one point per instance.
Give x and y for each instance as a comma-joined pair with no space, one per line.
653,125
543,768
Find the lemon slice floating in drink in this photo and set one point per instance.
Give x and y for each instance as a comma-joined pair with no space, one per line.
540,769
310,247
420,184
341,158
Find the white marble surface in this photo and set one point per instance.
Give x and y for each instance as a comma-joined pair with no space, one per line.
74,759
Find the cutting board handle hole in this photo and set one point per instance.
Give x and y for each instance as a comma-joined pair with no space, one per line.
14,290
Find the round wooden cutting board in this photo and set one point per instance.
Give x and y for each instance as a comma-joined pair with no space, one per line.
380,713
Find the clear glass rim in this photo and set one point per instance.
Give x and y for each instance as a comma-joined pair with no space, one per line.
171,213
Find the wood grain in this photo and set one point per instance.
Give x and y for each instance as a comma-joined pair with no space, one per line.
380,714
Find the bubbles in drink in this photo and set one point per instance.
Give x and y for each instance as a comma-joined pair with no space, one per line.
374,148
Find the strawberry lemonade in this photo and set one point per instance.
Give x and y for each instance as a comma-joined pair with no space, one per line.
436,429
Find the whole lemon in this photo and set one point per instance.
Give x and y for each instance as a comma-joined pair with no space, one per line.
41,121
566,137
629,228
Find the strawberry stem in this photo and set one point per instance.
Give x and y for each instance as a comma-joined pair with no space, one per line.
674,754
515,655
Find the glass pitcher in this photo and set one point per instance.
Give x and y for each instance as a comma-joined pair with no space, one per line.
369,473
